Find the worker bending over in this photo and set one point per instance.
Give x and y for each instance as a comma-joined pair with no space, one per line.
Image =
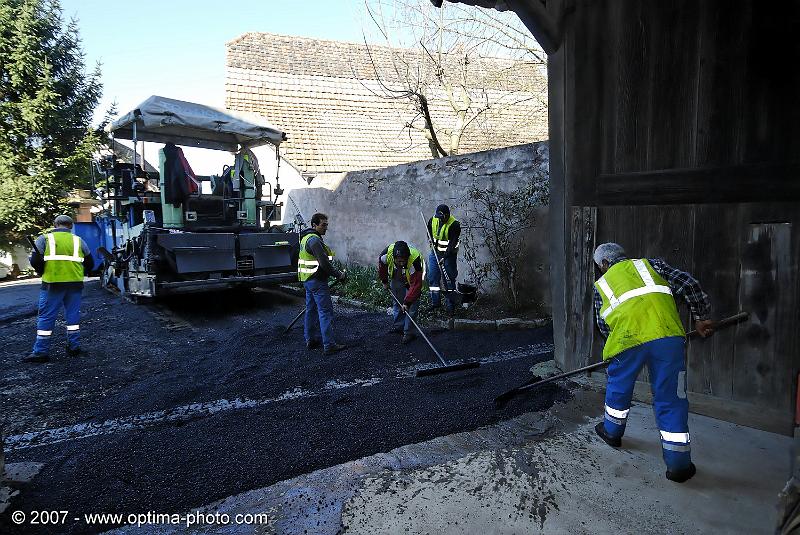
401,270
635,308
313,269
62,259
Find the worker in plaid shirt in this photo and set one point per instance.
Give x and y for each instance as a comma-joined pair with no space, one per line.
681,283
635,308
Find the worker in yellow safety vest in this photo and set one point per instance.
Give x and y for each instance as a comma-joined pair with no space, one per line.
401,270
445,231
635,309
61,258
314,267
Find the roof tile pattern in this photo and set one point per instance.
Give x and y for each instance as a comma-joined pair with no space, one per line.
327,97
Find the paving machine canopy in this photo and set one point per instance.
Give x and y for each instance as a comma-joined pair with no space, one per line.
166,120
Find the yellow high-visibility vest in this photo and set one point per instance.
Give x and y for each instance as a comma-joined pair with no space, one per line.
638,306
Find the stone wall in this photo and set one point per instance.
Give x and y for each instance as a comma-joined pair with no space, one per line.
371,208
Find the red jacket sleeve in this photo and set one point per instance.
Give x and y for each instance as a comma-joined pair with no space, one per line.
383,272
383,269
415,288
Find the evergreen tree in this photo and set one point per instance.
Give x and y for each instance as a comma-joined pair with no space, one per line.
47,99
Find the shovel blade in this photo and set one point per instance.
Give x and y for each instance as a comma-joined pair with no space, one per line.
501,400
447,369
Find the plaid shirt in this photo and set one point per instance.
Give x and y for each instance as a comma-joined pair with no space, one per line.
681,283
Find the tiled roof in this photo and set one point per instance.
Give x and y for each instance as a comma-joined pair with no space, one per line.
325,95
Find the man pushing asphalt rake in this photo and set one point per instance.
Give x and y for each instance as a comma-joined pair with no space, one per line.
445,367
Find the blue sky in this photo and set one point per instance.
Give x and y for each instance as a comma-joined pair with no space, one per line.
176,48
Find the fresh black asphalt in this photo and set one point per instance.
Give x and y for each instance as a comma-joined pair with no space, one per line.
228,346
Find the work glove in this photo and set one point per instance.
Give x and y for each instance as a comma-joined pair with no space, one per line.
343,276
385,285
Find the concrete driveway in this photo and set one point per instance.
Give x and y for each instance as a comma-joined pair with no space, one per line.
540,472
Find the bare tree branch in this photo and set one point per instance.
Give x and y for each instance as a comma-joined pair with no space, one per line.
464,69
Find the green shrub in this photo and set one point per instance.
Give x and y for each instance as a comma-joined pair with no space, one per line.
363,285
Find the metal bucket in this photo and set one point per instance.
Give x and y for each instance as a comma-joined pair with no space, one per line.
467,291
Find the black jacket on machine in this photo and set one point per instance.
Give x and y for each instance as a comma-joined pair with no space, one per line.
176,179
314,246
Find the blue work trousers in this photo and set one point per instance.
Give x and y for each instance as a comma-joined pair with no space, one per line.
437,281
401,318
50,302
319,311
664,358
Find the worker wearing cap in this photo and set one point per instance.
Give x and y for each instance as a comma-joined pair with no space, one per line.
635,309
444,230
61,258
401,270
313,270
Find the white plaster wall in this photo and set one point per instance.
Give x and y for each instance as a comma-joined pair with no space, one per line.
370,209
17,254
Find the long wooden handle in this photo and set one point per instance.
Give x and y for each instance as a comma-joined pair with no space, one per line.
725,322
439,261
419,329
289,327
505,397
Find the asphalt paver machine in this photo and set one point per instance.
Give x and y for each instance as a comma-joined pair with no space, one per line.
176,232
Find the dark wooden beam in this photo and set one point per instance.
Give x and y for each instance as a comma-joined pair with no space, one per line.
743,183
544,24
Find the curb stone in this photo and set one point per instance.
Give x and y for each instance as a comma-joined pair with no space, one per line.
503,324
517,323
474,325
356,303
335,298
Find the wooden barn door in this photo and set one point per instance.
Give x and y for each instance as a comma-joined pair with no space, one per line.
745,374
762,352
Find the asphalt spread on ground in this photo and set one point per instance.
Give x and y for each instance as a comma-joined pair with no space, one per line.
207,398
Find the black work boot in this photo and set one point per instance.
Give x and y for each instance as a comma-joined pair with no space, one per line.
333,348
313,344
407,338
36,358
77,352
614,442
680,476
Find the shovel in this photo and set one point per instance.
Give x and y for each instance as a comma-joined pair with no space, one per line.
501,400
300,314
445,367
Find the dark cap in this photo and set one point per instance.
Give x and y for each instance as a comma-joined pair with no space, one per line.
443,211
401,249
